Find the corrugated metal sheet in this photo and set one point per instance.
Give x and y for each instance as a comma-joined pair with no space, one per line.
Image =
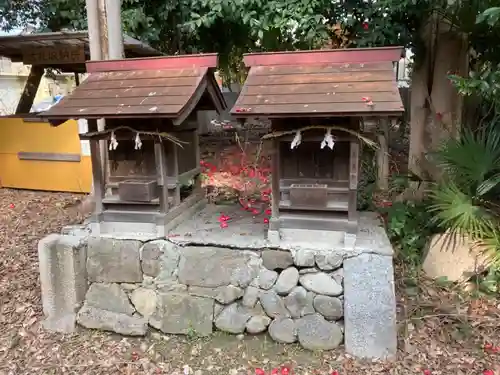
319,89
131,93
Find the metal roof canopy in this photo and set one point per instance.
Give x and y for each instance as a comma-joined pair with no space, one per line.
166,87
322,83
12,47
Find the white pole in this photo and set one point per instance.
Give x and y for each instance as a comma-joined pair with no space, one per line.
115,33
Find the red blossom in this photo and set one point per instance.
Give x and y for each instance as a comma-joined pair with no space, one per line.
427,372
266,220
12,205
255,211
365,98
223,224
488,346
365,25
488,372
334,372
259,371
274,371
285,370
268,212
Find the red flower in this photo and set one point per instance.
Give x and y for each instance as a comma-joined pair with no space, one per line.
274,371
285,371
268,211
255,211
365,25
334,372
266,220
488,372
259,371
11,205
488,346
223,224
427,372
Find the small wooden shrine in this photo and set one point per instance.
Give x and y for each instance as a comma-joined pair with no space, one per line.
150,181
319,104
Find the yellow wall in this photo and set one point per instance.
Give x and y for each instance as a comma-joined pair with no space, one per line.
19,136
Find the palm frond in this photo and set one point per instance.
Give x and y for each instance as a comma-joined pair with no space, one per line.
472,159
457,211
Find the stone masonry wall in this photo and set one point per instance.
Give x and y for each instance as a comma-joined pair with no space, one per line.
193,290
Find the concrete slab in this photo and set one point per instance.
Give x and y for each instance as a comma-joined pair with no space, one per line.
370,307
245,231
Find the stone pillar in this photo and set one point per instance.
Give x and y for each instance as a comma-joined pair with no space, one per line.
63,279
370,307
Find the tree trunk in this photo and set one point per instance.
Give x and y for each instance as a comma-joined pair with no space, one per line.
436,106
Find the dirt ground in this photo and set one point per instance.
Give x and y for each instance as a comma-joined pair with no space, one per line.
441,332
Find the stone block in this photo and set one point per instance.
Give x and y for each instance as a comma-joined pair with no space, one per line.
320,283
113,260
63,279
144,301
210,266
159,258
110,297
95,318
276,259
273,304
370,307
283,331
454,257
181,313
233,318
315,333
287,280
258,324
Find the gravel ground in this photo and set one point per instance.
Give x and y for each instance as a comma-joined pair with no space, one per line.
441,331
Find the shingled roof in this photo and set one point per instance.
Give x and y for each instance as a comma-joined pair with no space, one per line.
168,87
345,82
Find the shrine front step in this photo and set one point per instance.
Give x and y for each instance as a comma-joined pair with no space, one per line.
305,220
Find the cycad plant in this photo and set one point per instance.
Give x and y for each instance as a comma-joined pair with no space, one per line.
467,198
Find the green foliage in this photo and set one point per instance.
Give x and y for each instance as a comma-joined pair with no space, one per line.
466,199
409,226
490,16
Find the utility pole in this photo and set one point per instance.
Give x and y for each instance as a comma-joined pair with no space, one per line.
105,42
115,33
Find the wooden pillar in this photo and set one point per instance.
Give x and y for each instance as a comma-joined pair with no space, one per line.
97,176
30,89
275,186
162,176
353,180
177,197
383,155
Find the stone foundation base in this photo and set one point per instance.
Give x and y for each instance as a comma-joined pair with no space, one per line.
302,294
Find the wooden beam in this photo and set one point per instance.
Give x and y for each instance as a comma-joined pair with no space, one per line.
162,175
30,89
95,157
275,185
177,197
208,60
339,56
383,155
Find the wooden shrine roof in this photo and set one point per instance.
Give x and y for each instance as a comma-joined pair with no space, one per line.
26,48
168,87
347,82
